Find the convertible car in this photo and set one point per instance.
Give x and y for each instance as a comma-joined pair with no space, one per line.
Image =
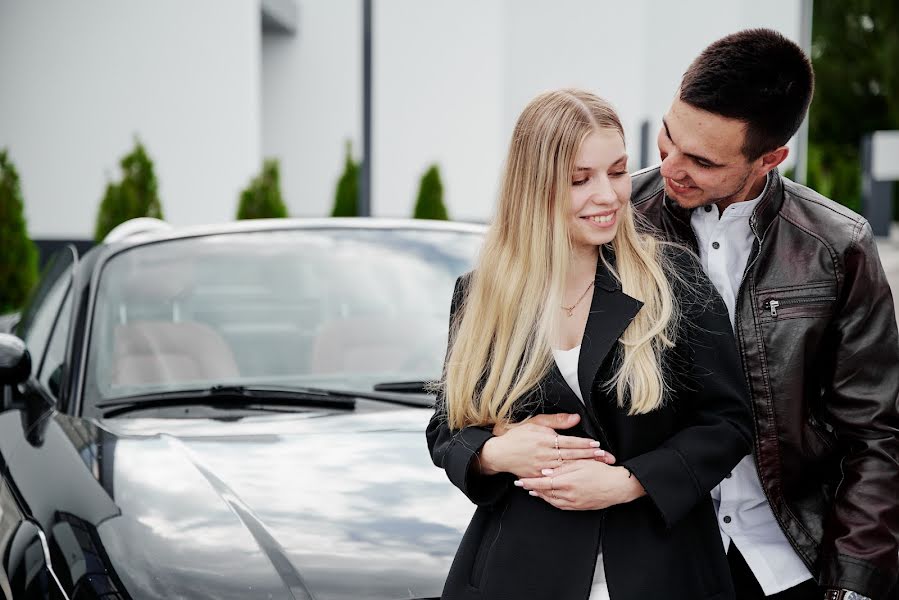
232,411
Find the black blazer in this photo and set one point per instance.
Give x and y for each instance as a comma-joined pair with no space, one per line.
665,545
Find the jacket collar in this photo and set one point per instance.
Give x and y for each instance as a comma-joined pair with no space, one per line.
769,206
604,277
764,214
611,311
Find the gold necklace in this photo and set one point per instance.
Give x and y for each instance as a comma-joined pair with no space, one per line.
571,308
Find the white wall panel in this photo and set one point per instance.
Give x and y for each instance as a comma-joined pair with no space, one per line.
81,79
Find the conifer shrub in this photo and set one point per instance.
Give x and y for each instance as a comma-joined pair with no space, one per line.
262,197
346,198
136,195
430,197
18,254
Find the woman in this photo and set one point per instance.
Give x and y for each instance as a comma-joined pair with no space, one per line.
576,335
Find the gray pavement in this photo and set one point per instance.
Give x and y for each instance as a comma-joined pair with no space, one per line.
889,256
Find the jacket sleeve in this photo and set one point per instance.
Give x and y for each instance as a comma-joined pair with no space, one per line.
455,451
860,550
716,415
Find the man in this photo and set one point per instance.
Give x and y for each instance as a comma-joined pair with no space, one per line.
814,513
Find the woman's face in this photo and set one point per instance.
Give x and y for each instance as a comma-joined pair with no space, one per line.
600,188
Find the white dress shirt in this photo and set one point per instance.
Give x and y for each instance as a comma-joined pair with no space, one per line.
567,361
744,516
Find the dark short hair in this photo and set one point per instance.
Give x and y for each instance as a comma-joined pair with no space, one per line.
756,76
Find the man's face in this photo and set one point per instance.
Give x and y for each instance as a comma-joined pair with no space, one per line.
702,161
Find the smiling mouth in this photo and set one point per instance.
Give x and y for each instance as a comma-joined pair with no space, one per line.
680,187
606,220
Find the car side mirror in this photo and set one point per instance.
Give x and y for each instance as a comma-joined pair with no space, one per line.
15,361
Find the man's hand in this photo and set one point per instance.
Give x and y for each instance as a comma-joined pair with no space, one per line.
525,449
584,485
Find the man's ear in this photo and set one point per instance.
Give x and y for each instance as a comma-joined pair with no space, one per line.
770,160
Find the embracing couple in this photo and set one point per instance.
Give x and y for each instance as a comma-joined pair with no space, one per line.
681,383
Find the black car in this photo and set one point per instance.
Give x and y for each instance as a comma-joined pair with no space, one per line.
234,411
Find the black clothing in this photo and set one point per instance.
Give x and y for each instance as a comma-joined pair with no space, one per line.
816,332
664,545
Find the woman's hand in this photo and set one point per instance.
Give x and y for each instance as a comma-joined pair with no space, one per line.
525,449
584,485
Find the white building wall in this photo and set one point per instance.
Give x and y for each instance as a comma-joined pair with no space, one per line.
677,32
81,79
311,101
450,79
210,96
438,92
577,43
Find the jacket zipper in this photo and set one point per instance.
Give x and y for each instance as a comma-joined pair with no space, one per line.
772,305
757,250
739,333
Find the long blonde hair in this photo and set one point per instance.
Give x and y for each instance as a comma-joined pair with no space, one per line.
500,340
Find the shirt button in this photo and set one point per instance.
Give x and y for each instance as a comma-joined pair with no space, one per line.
716,245
727,519
729,475
708,208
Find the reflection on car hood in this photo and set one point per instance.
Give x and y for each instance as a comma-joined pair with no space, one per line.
346,505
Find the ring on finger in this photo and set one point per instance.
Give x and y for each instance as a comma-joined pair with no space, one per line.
560,456
552,485
552,494
557,441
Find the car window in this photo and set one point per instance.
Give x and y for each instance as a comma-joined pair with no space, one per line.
344,308
43,306
51,367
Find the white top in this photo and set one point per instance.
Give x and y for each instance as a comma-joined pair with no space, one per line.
567,361
744,516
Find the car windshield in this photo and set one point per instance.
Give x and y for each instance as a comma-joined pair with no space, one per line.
341,308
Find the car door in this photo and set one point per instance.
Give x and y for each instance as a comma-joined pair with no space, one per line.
26,570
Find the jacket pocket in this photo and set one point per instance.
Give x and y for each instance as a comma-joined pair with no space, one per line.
810,301
488,540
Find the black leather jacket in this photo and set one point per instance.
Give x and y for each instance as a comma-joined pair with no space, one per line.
816,330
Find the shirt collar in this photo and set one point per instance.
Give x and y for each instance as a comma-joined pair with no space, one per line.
745,208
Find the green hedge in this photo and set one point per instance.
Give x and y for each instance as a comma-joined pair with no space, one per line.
262,198
134,196
429,204
855,52
19,256
346,197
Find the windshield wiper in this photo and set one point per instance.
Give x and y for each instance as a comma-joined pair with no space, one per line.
229,396
405,387
239,396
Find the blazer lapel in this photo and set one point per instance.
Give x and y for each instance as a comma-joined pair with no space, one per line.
565,400
611,311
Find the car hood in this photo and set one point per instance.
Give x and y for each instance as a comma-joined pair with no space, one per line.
320,505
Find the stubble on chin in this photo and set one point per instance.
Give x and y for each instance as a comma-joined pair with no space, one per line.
685,204
703,200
